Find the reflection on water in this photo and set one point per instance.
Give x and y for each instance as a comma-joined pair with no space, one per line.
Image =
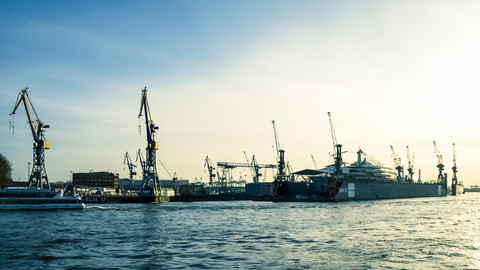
421,233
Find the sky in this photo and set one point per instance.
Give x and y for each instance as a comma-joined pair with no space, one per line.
400,73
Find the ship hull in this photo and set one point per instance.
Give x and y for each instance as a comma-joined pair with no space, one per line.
326,189
366,190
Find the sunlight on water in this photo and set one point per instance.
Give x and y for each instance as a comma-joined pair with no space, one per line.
421,233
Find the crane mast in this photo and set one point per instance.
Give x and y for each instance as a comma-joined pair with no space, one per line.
454,169
410,164
280,156
150,169
440,165
337,148
128,161
38,177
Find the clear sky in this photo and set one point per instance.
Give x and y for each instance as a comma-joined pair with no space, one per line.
217,72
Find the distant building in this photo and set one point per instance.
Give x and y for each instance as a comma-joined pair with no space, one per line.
96,180
127,184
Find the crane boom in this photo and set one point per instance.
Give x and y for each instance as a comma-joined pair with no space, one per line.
38,177
332,131
174,177
314,162
337,148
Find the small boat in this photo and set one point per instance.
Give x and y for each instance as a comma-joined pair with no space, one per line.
37,199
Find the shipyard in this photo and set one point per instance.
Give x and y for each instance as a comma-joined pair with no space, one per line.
361,180
214,134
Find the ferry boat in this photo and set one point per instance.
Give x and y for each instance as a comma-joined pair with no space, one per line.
37,199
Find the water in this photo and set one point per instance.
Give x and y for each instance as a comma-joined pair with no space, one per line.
423,233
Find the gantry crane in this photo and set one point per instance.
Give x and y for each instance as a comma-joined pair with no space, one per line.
440,165
256,167
454,169
337,148
131,167
150,169
280,156
397,163
410,164
38,177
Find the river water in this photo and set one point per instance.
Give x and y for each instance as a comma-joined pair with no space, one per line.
421,233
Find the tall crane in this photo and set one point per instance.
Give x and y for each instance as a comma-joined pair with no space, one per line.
131,167
150,170
397,163
454,169
38,177
440,165
410,164
211,171
280,156
337,148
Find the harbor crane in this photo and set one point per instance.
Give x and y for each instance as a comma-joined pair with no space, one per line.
337,148
280,156
397,163
454,169
211,170
140,159
38,177
131,167
150,168
256,169
410,164
440,165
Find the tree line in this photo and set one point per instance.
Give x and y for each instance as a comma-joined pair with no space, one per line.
5,172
